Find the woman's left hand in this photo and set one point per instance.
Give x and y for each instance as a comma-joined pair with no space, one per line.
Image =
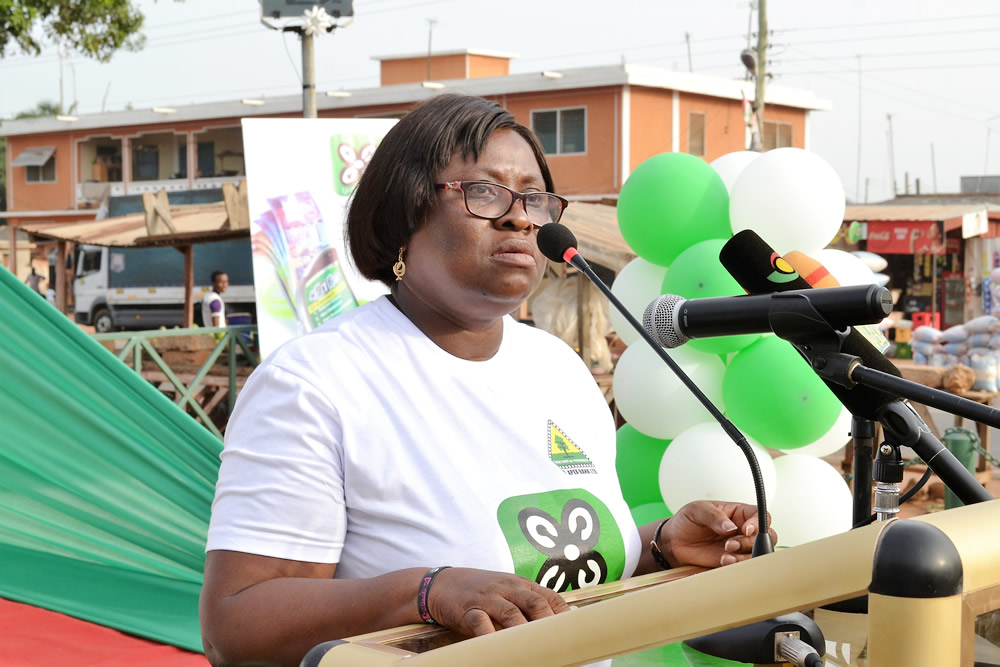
710,533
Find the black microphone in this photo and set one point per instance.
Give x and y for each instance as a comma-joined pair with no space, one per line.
760,270
558,244
674,320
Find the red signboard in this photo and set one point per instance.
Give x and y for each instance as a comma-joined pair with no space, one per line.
906,238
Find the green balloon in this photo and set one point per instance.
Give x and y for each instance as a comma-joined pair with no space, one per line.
697,273
773,396
650,512
638,466
672,655
670,202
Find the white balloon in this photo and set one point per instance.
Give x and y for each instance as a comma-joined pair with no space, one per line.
812,500
881,279
638,283
731,165
833,440
845,267
703,463
654,401
792,198
874,262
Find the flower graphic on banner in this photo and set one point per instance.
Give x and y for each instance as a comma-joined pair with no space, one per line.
355,161
569,544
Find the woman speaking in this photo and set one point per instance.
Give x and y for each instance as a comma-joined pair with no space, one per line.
426,458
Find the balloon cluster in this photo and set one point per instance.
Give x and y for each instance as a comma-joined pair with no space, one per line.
676,212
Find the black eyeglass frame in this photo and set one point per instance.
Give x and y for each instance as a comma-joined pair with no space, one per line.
515,196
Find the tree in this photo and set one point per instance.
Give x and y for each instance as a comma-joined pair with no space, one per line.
95,28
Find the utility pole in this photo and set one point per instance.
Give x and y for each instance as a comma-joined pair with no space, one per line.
933,168
986,160
430,33
687,38
857,172
308,76
892,161
761,65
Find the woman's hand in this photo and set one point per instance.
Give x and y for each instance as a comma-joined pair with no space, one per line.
709,533
475,602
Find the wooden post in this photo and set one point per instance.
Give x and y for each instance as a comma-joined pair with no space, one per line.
61,277
188,286
12,247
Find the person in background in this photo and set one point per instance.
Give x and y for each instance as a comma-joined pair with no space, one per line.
412,460
213,308
33,281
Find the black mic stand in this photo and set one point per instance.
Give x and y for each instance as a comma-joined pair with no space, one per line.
795,320
790,636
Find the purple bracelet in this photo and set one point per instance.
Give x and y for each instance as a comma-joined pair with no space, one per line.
424,592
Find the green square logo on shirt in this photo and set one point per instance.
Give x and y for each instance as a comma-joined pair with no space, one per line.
565,539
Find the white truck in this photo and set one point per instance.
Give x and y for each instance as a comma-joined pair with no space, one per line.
143,288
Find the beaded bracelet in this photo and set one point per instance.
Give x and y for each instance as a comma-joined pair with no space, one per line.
425,589
654,547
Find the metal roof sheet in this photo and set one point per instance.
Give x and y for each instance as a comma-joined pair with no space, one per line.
596,229
193,224
916,212
35,156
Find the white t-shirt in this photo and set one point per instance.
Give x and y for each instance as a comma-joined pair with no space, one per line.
365,444
211,305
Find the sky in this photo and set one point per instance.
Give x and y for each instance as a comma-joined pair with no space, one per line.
931,66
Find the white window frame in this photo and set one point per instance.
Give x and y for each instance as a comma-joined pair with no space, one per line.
777,125
41,171
559,111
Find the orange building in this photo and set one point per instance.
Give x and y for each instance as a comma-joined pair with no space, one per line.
595,123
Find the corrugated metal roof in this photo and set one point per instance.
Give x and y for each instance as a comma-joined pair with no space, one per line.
193,224
915,212
36,156
596,229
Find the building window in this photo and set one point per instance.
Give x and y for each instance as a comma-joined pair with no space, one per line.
696,133
561,131
777,135
43,174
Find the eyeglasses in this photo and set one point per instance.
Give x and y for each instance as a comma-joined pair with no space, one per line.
491,201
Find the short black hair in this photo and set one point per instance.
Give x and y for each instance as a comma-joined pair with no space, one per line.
216,274
397,188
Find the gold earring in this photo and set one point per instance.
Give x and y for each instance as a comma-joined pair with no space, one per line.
399,268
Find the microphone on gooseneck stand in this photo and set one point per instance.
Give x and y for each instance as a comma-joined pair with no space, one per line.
758,642
558,244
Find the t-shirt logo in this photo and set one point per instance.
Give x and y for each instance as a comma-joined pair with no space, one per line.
566,454
582,547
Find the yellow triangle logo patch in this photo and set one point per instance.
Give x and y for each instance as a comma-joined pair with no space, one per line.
566,454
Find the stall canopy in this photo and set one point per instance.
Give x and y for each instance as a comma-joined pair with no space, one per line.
596,229
910,229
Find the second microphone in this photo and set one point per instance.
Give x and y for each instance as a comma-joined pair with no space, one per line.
673,320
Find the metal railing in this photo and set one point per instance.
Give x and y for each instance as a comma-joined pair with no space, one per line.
228,339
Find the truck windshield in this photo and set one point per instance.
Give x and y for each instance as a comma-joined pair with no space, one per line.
90,262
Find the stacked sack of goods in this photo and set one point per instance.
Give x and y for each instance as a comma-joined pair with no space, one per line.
975,344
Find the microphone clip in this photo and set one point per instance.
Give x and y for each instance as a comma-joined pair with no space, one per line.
792,317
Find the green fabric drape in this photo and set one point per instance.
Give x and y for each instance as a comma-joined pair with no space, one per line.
105,484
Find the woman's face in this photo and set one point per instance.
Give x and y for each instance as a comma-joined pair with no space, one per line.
470,268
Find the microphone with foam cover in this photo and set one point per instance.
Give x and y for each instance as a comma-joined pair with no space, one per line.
760,270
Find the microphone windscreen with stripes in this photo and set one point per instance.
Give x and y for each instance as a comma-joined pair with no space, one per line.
760,270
